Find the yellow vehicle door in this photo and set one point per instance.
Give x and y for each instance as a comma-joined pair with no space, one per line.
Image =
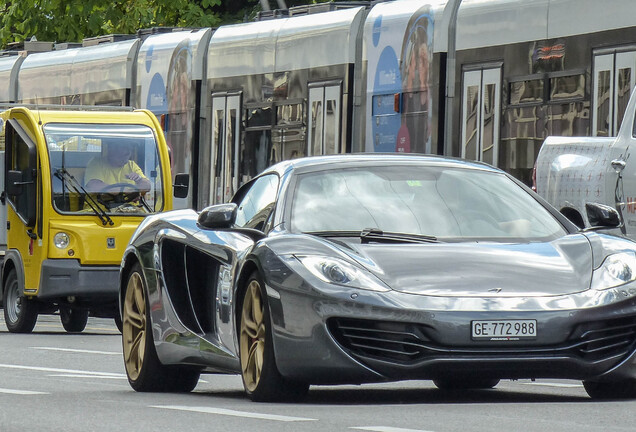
23,176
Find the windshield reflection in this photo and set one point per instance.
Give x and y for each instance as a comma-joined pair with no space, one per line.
104,169
449,203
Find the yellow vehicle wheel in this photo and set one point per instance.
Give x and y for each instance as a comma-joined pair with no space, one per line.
20,313
261,379
143,367
73,320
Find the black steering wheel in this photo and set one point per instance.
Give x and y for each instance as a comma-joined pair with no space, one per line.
120,193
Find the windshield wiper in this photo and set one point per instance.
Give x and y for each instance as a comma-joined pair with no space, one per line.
377,235
374,234
66,176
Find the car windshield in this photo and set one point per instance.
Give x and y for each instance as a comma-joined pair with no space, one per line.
104,169
438,201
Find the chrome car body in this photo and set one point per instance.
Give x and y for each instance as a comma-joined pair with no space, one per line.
377,303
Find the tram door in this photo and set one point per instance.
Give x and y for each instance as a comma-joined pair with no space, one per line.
224,152
480,115
323,135
613,83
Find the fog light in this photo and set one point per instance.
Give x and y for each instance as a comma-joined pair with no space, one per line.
71,252
61,240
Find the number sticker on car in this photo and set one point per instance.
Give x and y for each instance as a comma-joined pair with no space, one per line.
504,330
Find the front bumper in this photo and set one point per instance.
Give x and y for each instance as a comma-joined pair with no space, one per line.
356,337
89,284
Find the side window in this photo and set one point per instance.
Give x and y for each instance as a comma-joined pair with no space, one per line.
255,207
21,174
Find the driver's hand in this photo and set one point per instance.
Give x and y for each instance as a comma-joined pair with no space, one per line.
134,177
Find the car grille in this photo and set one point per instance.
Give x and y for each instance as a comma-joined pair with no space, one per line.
604,339
406,343
401,342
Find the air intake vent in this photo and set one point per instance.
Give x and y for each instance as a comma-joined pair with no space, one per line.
392,341
606,339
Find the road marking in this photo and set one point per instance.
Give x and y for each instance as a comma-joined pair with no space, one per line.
77,350
21,392
547,384
221,411
123,377
64,371
386,429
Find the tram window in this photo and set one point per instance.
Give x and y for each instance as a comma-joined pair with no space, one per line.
258,116
567,87
255,153
623,91
289,114
526,91
414,102
602,103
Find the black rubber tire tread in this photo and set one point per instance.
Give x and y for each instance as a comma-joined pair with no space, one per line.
28,315
73,320
611,390
272,386
154,376
118,323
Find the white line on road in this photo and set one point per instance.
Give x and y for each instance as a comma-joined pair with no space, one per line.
56,370
21,392
77,350
385,429
548,384
122,377
233,413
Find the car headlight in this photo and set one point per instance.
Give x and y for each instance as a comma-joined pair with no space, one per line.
617,269
61,240
339,272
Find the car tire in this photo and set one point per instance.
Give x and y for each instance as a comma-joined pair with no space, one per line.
20,312
465,383
73,320
143,368
261,379
611,390
118,322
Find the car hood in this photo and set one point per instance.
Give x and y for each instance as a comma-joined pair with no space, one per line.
479,269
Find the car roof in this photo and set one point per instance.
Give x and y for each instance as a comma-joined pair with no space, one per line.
356,159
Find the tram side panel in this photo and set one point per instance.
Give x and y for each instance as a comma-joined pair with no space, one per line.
404,76
169,73
277,90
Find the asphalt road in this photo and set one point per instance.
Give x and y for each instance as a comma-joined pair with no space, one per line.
53,381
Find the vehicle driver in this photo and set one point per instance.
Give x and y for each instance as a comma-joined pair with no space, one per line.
116,167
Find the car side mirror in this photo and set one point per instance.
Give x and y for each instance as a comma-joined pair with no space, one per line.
218,216
181,185
602,216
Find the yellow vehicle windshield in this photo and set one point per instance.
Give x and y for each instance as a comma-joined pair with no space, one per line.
104,169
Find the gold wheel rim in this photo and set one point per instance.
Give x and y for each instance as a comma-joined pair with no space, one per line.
134,326
252,337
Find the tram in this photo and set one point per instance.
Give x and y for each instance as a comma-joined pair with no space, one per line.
485,80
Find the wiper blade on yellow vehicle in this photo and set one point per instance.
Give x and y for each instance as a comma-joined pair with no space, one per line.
65,176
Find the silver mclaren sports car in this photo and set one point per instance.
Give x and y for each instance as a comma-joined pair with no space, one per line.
370,268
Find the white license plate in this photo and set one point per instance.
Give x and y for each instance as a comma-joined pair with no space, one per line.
504,330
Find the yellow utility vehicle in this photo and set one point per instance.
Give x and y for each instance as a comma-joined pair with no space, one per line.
65,240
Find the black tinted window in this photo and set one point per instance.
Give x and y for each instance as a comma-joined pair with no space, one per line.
256,205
